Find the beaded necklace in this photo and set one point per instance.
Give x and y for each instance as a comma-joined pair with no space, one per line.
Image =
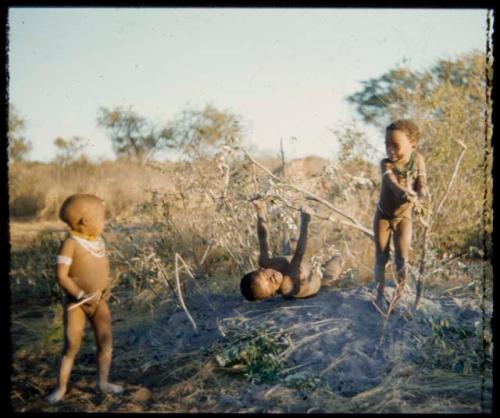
408,168
96,247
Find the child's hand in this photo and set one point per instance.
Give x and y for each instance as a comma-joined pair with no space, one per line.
422,194
259,205
306,213
410,195
83,295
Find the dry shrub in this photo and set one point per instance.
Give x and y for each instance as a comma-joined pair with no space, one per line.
38,189
202,210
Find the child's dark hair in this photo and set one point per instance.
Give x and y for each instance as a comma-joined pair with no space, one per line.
246,286
409,127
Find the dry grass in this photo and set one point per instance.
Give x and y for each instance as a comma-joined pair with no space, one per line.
202,211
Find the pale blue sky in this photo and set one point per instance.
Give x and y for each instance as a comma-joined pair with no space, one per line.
285,71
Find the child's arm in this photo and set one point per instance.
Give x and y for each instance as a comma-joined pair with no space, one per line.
64,260
421,184
391,179
262,232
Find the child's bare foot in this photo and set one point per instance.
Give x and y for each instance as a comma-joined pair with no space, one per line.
56,395
333,267
110,388
306,213
328,281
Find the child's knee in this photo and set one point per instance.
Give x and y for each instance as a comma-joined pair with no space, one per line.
71,347
104,351
382,258
104,337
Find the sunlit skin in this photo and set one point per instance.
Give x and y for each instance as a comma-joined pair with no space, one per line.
397,198
85,276
398,146
288,275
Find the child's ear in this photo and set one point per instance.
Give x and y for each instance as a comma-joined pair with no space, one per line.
84,220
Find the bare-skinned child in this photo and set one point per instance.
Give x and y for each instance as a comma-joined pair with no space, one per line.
289,275
83,275
403,185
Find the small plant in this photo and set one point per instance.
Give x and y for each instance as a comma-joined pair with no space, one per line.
32,271
256,356
302,381
454,346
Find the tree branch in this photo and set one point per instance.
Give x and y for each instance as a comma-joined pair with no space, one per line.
430,219
179,293
354,223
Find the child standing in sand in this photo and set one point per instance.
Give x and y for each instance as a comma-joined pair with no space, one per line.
403,183
83,275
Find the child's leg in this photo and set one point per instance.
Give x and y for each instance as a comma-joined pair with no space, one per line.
101,324
295,263
382,237
332,270
74,325
262,232
402,241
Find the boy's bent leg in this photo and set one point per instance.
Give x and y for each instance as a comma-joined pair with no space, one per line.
101,324
402,241
74,325
382,238
296,262
332,270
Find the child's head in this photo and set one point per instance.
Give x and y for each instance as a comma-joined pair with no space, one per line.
401,139
84,213
260,284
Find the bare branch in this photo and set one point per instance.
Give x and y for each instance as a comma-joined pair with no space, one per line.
354,223
179,292
430,218
453,176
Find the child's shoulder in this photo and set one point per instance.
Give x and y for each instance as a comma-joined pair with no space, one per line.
419,156
385,162
67,244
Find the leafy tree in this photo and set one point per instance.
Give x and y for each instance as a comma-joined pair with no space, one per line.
448,102
19,146
70,150
200,133
132,135
354,146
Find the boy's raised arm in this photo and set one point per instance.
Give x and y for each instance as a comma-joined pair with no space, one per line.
262,232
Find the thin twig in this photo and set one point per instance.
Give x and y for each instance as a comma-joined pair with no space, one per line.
204,255
163,274
333,364
430,220
354,223
179,293
285,354
92,296
285,371
189,271
357,226
453,176
377,308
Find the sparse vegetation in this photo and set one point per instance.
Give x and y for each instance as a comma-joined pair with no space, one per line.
244,360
